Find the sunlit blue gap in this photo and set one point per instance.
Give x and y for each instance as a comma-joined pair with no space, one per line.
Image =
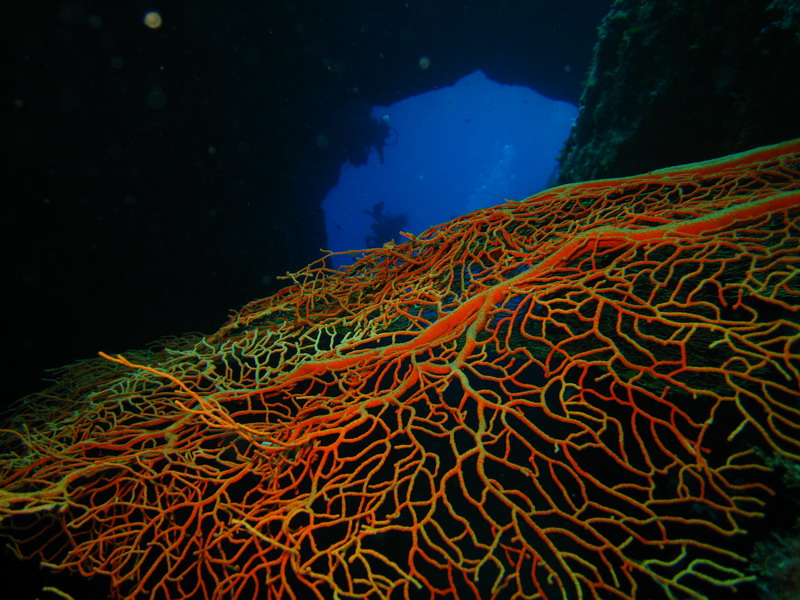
451,151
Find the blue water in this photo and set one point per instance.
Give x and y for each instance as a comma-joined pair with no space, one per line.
451,151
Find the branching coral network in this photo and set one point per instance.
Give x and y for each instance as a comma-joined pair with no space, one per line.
569,397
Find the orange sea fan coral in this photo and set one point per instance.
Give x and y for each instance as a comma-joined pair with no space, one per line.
560,398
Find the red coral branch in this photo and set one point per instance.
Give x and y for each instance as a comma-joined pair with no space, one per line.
572,396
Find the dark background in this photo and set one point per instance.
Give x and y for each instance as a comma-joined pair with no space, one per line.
156,179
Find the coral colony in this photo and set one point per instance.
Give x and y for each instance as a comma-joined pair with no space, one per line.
579,395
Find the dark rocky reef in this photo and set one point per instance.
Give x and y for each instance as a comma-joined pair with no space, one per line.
675,82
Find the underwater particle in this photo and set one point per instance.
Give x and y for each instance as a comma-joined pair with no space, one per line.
322,141
152,19
424,62
334,65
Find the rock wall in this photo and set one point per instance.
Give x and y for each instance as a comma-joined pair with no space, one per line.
675,82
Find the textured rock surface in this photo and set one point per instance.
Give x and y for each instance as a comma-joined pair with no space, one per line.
674,82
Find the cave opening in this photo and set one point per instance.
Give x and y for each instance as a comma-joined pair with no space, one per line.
449,151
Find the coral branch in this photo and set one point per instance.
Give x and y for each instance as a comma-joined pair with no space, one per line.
574,396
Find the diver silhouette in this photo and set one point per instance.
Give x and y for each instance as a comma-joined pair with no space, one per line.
386,226
356,131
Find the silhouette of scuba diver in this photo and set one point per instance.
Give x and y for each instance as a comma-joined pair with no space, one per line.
386,226
357,132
